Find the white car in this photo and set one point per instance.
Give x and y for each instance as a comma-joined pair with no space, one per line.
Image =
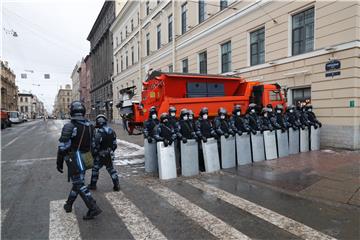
15,117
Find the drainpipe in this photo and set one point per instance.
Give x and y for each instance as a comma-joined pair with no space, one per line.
140,48
173,37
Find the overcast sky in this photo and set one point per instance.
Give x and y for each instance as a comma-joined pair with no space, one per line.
51,39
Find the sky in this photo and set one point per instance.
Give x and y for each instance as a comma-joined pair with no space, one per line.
51,40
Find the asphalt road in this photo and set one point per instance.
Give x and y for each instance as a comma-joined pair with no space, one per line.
210,206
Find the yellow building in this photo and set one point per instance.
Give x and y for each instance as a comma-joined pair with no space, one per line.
9,90
310,48
62,102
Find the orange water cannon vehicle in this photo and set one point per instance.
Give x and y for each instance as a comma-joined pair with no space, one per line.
194,91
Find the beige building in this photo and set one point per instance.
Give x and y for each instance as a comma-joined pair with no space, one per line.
9,90
62,102
310,48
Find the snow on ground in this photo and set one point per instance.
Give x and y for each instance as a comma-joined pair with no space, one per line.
128,153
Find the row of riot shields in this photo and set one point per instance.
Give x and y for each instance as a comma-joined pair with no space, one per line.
228,152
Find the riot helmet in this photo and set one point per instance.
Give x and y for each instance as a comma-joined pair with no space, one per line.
172,111
237,110
270,107
191,114
204,112
252,108
290,108
308,108
279,108
222,113
77,109
184,114
101,120
153,112
164,117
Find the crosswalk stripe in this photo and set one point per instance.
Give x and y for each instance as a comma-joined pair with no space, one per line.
62,225
136,222
205,219
268,215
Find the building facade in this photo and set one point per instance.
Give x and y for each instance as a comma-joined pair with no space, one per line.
85,81
62,102
9,90
310,48
75,78
30,105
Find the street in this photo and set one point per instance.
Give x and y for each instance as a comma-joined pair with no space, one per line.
222,205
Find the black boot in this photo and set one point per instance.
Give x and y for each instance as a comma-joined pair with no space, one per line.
71,199
94,210
116,187
68,207
92,213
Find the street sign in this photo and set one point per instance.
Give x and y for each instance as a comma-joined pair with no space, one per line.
332,74
352,103
332,65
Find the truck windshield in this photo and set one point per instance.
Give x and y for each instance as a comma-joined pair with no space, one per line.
13,114
275,96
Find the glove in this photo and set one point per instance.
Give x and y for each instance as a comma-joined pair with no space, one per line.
150,140
283,130
184,140
60,169
240,133
204,139
166,143
315,126
303,127
226,135
170,142
320,124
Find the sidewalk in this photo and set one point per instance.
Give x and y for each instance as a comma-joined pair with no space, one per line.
330,175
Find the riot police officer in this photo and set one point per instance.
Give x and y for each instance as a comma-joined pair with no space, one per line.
104,147
239,124
312,117
222,124
150,125
203,126
254,118
164,131
76,141
191,118
266,120
279,109
292,118
186,128
173,121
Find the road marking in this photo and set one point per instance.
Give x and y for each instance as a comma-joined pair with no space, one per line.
30,160
62,225
205,219
288,224
3,214
136,222
9,143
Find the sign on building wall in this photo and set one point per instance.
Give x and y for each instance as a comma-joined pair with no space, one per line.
332,68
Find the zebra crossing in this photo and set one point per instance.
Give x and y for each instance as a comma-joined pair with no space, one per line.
66,226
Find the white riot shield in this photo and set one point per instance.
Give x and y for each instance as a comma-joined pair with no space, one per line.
282,143
151,162
211,155
304,140
270,145
243,149
294,141
314,139
166,160
257,147
228,158
189,158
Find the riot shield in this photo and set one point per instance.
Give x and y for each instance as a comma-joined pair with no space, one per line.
282,143
304,140
257,147
167,161
211,155
177,153
151,162
314,138
294,138
243,149
228,158
270,145
189,158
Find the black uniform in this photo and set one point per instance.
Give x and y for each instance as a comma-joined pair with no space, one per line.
186,128
164,131
104,146
76,138
204,129
240,124
255,122
150,125
280,119
312,117
292,118
222,124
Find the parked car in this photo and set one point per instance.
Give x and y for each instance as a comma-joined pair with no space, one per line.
15,117
5,122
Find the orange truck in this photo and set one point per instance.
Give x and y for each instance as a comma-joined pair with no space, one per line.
5,122
194,91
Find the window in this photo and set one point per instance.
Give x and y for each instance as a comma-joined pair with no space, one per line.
223,4
301,96
201,11
26,109
158,29
257,48
22,109
303,32
121,37
117,66
126,59
21,99
132,55
126,31
171,68
147,44
132,24
26,99
185,65
274,96
147,7
203,62
226,57
158,1
117,41
183,18
121,63
170,27
68,93
68,99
